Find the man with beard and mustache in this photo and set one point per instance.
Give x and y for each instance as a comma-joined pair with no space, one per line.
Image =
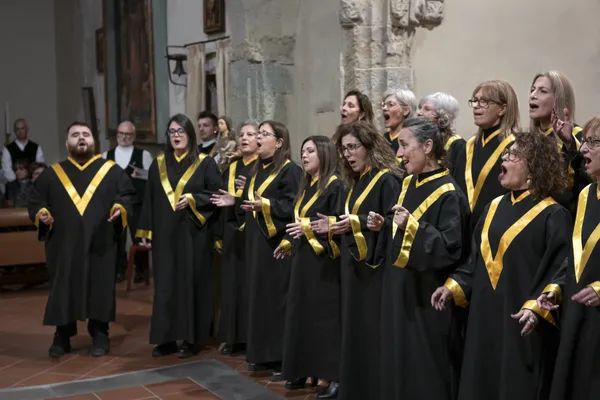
80,208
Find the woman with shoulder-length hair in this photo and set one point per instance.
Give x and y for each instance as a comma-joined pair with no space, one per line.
443,109
356,107
268,200
423,238
398,105
231,243
370,171
496,113
519,245
313,326
577,371
177,220
552,113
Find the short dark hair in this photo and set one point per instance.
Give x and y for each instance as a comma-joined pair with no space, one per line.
37,165
79,123
208,114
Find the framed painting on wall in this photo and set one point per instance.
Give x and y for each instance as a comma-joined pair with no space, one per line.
129,76
214,16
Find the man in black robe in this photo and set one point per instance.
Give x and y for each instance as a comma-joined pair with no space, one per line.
80,207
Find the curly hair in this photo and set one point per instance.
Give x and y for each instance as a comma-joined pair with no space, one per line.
379,152
545,164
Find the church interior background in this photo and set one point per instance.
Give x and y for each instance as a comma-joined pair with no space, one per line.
288,60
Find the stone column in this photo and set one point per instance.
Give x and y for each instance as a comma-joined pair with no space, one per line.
377,43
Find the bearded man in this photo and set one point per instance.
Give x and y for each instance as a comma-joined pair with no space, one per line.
80,208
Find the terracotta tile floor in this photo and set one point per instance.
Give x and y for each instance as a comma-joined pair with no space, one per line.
24,343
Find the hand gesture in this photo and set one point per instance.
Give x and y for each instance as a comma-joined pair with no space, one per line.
183,203
280,253
547,301
147,243
222,199
45,218
255,205
295,229
564,129
440,297
587,296
528,318
115,214
240,182
401,215
374,221
341,226
321,225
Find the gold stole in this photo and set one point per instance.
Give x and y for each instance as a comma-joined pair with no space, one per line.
581,252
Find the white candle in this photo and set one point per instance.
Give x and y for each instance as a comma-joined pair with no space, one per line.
6,119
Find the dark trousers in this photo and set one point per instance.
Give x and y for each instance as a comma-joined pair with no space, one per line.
141,258
94,327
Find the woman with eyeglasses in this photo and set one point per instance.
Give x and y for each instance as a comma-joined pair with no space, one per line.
577,371
422,239
397,106
443,109
496,114
519,245
231,243
177,221
268,200
552,112
313,326
370,172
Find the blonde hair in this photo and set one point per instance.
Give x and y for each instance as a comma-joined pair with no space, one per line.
502,93
564,97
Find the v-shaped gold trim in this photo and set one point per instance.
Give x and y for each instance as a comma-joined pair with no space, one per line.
431,178
81,203
581,252
520,198
164,178
178,158
486,140
87,164
495,264
250,160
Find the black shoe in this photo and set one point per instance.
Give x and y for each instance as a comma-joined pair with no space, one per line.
164,349
187,350
331,392
227,349
60,346
100,345
252,367
300,383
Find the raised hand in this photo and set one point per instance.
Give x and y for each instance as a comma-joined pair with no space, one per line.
223,199
240,182
374,221
255,205
182,203
45,218
320,225
564,129
547,301
401,215
341,226
295,229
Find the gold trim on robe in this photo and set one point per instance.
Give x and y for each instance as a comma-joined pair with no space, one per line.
596,286
473,192
451,140
123,214
335,250
87,164
359,238
287,246
81,203
218,244
37,218
494,265
581,252
554,288
144,234
533,306
458,293
174,197
192,205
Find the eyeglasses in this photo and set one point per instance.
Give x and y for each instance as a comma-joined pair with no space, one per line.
127,134
351,148
174,132
389,104
591,142
483,103
511,155
265,134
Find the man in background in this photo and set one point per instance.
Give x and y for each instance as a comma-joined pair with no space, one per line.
19,149
136,163
207,134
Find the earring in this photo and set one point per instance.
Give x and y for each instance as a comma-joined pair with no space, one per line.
528,182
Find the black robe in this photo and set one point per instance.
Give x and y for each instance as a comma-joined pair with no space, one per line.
268,278
498,363
231,238
577,370
578,178
313,325
421,347
81,245
477,168
455,146
392,141
182,246
361,287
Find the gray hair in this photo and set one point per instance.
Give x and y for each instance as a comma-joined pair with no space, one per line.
405,97
442,101
252,122
127,122
425,129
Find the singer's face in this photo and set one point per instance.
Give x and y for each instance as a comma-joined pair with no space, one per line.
21,130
